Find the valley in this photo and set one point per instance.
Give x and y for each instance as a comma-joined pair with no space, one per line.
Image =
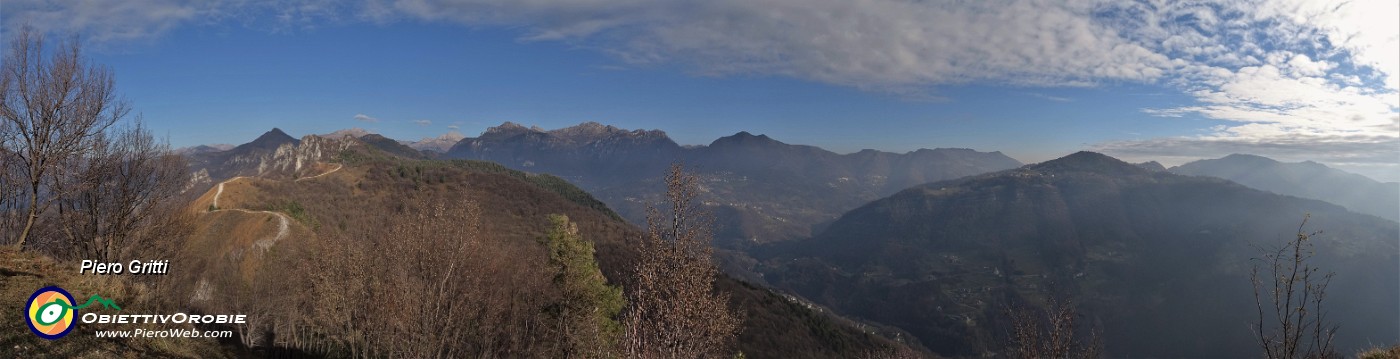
343,200
603,179
942,261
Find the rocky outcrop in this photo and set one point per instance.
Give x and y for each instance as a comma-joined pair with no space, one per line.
292,160
288,158
198,179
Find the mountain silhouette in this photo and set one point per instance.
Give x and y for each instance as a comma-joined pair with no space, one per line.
1159,261
1303,179
761,189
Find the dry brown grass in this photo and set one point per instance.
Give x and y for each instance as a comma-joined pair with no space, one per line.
352,209
23,273
1392,352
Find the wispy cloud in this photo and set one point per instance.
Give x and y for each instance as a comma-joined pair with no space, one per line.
1276,71
886,45
100,21
423,122
454,127
1295,80
365,118
1049,97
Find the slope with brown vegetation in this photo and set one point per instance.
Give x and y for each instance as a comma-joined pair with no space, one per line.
339,279
21,273
1380,353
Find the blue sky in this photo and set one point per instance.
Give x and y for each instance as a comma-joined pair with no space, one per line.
1293,80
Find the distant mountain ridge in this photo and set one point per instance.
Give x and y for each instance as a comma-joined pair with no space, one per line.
369,181
440,144
1303,179
1152,166
1159,261
274,154
761,189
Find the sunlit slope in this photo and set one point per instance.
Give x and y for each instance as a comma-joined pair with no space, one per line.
240,233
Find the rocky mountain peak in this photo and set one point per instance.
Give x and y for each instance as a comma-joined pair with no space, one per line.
587,131
355,132
508,127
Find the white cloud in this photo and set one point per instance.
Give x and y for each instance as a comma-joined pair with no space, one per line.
365,118
1275,71
887,45
1303,80
422,122
101,21
1051,98
453,127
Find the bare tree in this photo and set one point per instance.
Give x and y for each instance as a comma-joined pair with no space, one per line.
674,310
896,351
440,288
53,109
1052,335
1292,323
10,187
427,284
131,183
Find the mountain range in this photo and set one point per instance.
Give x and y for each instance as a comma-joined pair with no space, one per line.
296,197
760,189
934,245
1303,179
1159,262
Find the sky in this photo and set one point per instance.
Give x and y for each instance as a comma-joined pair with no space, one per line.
1168,81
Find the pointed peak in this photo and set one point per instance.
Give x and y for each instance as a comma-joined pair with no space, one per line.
275,132
274,136
269,140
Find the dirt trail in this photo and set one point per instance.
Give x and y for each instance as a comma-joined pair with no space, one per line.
221,190
283,225
337,168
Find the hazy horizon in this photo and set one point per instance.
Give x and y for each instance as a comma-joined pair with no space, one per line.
788,211
1289,80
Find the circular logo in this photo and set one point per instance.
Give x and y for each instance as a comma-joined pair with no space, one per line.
50,312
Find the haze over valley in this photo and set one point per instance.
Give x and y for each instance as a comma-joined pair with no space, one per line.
718,179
